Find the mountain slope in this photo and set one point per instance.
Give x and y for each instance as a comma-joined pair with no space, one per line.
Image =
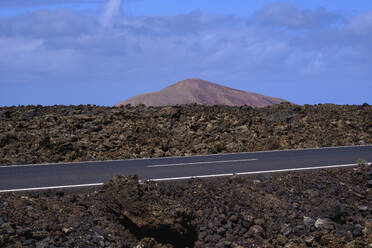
201,92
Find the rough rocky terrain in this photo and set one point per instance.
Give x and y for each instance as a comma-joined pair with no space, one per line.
36,134
326,208
202,92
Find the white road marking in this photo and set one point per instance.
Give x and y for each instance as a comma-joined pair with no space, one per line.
206,162
255,172
190,177
193,156
52,187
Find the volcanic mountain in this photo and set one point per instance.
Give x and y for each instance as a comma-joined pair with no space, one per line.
202,92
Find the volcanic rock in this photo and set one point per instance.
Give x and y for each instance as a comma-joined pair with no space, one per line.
308,221
223,212
370,183
323,223
147,215
86,133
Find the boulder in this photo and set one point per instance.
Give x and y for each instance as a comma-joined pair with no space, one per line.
139,209
324,223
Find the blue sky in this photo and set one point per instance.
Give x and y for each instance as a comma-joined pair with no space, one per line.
102,52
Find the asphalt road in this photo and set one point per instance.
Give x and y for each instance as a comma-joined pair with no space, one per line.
34,177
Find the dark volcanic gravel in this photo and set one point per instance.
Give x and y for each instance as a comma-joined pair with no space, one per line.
327,208
36,134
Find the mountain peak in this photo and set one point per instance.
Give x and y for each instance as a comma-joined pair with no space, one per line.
190,82
199,91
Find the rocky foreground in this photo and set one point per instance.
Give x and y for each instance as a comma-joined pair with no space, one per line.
36,134
327,208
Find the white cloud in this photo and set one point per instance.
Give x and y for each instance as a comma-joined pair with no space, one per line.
34,3
286,15
361,24
31,56
111,10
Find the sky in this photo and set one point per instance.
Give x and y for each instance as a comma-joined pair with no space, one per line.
102,52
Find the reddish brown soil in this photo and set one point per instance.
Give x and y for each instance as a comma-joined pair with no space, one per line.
202,92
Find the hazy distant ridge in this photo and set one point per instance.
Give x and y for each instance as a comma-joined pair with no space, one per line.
201,92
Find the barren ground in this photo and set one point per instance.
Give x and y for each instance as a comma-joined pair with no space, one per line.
324,208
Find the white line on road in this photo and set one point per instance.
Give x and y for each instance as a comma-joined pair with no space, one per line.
254,172
190,177
206,162
52,187
193,156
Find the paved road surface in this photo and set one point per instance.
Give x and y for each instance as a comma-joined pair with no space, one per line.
33,177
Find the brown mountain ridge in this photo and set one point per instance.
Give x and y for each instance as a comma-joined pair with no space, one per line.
201,92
